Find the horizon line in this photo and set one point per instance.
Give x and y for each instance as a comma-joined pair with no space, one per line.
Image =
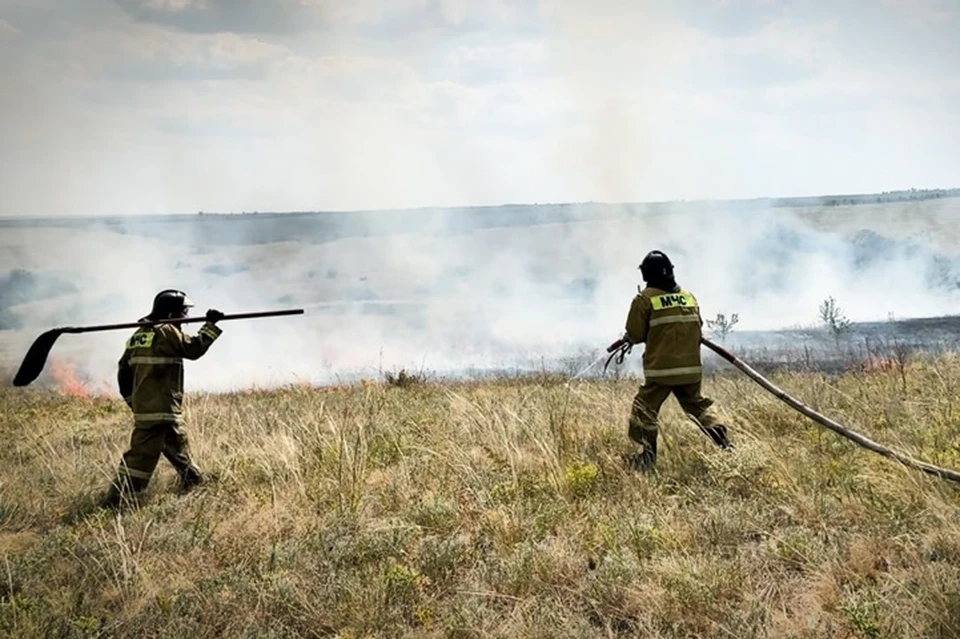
782,199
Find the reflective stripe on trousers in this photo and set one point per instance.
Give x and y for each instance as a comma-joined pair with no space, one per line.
158,417
672,372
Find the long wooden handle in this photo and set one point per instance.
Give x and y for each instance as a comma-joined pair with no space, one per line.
178,320
36,356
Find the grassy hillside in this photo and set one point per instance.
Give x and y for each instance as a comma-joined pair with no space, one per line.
494,509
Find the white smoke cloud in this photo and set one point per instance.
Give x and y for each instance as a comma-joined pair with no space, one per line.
151,107
452,300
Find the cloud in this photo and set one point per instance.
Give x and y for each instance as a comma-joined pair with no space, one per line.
729,18
307,105
351,78
7,29
925,13
149,54
219,16
515,62
204,127
460,17
172,6
369,17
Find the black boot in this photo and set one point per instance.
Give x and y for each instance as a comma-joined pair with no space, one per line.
645,460
121,488
111,500
719,436
190,478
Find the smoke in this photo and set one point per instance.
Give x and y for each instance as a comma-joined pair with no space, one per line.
615,110
458,292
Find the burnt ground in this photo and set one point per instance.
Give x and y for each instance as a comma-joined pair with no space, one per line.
862,345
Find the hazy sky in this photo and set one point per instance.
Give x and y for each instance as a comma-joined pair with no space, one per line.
174,106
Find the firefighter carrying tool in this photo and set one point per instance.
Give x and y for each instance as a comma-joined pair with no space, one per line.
150,380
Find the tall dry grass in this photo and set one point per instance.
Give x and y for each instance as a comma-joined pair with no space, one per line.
500,508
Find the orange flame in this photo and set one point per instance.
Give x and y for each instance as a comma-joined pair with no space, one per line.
69,383
876,365
66,381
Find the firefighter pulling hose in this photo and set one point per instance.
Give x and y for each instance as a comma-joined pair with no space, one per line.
667,319
680,332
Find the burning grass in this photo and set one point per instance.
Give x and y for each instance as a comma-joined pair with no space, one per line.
491,509
63,377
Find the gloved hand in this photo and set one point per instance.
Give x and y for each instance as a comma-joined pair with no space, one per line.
620,343
619,350
214,316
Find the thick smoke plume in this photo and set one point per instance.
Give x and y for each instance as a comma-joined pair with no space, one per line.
459,292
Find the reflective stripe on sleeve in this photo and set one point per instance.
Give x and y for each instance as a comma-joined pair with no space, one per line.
673,319
146,359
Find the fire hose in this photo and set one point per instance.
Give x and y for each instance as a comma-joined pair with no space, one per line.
621,347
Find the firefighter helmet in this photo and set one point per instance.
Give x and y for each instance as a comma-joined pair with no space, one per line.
170,303
656,266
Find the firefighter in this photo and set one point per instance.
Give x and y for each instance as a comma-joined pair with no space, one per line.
667,319
150,378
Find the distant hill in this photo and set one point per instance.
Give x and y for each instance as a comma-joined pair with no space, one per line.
325,226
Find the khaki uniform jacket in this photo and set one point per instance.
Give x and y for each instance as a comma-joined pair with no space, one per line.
150,372
669,323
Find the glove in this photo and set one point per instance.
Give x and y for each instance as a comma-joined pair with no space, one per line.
620,343
213,316
619,350
616,345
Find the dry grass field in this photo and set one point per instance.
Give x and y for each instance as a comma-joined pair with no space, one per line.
411,507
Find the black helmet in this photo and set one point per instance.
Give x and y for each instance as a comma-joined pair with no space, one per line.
170,303
656,267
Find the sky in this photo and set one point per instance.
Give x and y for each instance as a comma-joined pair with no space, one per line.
126,107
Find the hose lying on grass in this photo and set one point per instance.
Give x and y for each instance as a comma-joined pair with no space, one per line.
943,473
